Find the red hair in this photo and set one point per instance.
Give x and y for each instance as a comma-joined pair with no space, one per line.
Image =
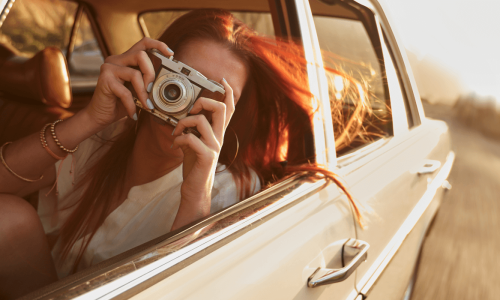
272,122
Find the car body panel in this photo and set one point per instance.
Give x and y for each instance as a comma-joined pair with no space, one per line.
391,189
274,260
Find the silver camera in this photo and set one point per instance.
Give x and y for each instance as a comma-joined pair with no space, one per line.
176,88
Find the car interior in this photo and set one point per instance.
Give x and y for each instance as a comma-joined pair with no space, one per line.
29,98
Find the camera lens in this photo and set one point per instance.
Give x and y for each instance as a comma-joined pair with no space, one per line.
172,92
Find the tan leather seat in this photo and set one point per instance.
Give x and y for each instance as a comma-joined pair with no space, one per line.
43,78
33,91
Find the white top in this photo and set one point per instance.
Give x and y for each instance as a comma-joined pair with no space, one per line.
147,213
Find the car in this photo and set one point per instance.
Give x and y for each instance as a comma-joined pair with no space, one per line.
297,239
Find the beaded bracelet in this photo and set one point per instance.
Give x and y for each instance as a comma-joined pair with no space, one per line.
53,132
10,170
46,146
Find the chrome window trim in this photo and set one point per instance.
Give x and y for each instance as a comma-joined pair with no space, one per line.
385,257
6,6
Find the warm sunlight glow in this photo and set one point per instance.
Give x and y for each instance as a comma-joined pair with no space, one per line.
338,83
461,36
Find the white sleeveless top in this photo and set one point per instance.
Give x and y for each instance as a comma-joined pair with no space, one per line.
147,213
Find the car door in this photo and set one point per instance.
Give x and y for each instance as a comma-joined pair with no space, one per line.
396,177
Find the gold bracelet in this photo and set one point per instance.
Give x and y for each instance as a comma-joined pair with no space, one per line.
46,146
53,132
10,170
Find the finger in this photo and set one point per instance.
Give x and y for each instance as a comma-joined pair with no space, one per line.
148,43
125,96
189,141
218,111
203,127
135,78
141,59
228,100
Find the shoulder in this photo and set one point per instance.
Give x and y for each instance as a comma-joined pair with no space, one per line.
225,192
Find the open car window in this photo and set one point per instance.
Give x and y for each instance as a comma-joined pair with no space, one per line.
32,26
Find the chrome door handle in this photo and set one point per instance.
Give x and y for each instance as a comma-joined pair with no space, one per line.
430,166
352,247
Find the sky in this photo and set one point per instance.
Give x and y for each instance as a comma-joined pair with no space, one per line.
460,37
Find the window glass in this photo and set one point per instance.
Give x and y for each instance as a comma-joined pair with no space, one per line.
396,88
86,59
33,25
156,22
361,109
396,92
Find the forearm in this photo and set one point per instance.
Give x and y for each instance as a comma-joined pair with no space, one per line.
191,210
29,159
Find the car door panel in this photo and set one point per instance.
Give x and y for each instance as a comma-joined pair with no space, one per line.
391,188
274,259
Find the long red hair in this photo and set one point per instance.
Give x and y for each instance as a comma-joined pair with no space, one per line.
272,122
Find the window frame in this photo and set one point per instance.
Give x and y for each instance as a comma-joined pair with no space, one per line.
384,34
401,64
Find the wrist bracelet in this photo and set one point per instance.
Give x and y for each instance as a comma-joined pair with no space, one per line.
53,132
10,170
46,146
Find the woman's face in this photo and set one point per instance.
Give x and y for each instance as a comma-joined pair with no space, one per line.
213,61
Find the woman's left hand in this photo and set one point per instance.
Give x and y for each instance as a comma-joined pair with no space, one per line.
201,154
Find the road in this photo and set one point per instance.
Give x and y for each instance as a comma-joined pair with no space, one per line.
461,255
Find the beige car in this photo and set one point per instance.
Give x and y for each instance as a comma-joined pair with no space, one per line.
297,239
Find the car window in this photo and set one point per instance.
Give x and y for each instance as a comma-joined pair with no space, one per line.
399,99
154,23
353,71
86,58
33,25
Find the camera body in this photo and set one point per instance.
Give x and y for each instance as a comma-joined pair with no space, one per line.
176,88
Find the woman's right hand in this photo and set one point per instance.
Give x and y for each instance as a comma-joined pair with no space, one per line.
112,100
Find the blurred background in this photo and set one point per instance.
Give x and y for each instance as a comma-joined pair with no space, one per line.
454,51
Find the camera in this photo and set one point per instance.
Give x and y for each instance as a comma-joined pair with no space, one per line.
176,88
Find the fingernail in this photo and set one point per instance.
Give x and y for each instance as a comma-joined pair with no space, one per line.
149,87
134,117
224,79
170,50
150,104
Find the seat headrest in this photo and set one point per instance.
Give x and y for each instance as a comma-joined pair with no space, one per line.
42,78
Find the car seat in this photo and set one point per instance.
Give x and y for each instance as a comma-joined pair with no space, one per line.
33,91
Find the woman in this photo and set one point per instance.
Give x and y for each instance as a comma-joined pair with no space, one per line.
109,210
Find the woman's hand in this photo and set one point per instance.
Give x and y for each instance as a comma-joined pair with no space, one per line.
112,100
201,154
